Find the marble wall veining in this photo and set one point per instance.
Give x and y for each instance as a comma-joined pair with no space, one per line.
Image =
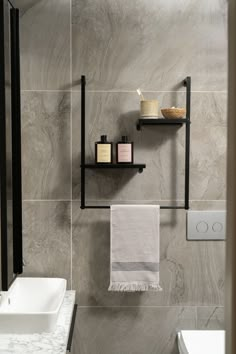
121,45
45,44
46,146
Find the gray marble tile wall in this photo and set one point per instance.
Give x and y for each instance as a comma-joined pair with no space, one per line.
122,45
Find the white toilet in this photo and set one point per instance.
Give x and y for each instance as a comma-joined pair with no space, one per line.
201,342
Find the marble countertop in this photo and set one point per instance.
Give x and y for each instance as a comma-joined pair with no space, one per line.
44,343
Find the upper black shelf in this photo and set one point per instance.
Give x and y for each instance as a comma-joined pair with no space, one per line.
160,121
139,166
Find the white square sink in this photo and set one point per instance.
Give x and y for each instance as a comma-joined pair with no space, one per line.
31,305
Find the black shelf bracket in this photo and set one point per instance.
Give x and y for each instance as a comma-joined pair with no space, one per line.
139,167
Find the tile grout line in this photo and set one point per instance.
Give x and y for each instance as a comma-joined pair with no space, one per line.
153,306
123,201
150,91
151,200
71,148
123,91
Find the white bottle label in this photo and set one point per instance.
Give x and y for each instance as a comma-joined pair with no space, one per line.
125,153
103,153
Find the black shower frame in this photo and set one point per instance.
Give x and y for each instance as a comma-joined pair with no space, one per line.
141,122
16,142
16,150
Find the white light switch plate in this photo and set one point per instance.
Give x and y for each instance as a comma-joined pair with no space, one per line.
206,225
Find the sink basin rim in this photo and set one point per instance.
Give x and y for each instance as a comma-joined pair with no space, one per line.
8,295
32,305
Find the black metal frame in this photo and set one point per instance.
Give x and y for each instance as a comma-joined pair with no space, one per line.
141,122
16,143
187,83
70,339
16,150
82,166
3,162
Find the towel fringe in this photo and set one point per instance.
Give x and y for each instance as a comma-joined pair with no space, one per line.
134,286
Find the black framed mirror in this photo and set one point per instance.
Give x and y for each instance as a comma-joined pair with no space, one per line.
10,146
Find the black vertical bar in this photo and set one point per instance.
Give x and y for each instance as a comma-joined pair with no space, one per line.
3,178
69,343
16,142
187,143
83,84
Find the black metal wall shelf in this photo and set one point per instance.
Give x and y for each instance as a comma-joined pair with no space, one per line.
180,122
141,122
160,121
138,166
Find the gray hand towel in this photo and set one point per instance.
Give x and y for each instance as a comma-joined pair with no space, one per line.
135,248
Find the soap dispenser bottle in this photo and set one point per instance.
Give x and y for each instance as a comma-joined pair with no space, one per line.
124,151
103,151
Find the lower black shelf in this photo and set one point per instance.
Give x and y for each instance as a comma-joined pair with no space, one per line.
139,166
